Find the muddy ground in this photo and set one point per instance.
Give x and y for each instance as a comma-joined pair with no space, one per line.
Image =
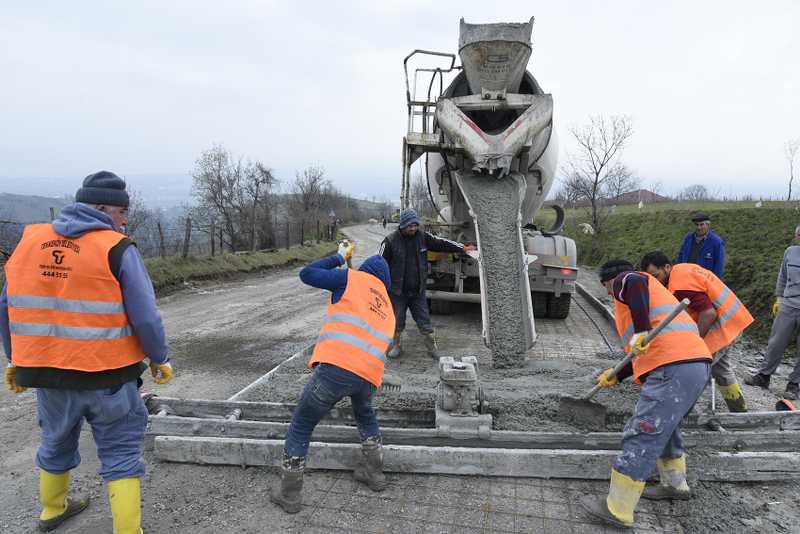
224,336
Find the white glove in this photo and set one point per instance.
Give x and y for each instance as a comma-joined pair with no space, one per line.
474,254
342,250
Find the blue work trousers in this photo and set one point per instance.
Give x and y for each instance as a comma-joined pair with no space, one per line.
118,419
668,394
418,306
327,386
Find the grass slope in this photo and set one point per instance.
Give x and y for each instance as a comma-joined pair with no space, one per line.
170,272
755,239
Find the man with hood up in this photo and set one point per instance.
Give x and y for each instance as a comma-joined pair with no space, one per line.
348,361
77,318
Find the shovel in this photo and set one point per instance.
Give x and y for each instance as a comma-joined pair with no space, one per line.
592,415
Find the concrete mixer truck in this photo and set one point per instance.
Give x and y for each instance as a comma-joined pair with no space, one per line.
484,139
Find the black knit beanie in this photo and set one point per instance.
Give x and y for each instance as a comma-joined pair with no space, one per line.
610,269
103,187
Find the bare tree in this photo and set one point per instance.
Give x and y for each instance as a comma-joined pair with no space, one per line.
696,192
420,199
589,171
619,182
138,213
790,150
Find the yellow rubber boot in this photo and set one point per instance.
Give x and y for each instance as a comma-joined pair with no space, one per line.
125,496
56,506
733,397
623,496
672,472
617,508
53,489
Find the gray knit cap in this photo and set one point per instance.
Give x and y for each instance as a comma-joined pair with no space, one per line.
103,187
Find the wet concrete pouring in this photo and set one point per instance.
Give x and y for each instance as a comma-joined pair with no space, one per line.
214,362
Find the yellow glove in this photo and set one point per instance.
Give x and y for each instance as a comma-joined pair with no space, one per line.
346,249
637,343
607,379
776,307
162,372
11,380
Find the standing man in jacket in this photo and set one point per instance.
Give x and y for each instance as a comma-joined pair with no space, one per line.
703,247
673,370
720,316
406,252
786,326
348,361
77,317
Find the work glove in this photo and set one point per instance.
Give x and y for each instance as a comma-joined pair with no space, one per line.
11,379
346,249
637,344
776,307
162,372
607,379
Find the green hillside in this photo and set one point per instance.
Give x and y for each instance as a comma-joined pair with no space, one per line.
755,239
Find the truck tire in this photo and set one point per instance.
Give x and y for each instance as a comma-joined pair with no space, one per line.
558,307
441,307
539,301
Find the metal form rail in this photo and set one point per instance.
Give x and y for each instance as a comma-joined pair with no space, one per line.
456,437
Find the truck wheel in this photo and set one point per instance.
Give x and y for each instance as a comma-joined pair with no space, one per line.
539,301
558,307
441,307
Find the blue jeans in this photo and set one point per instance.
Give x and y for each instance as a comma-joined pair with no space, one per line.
418,305
118,419
668,394
328,385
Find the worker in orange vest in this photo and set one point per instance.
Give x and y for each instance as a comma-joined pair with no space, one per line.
77,317
673,370
348,361
719,314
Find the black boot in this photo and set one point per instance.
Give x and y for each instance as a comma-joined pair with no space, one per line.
757,379
371,472
792,390
287,493
431,346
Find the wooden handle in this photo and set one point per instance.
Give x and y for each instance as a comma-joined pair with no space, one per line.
653,333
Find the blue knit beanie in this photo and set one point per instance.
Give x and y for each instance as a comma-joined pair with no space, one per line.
408,216
103,187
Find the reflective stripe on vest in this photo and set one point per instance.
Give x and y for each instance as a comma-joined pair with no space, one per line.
65,305
354,341
675,326
69,332
358,322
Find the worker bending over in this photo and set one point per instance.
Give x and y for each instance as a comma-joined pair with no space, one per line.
719,314
673,370
348,360
77,317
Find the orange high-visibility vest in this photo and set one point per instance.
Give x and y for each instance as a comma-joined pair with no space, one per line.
678,341
358,329
732,316
65,306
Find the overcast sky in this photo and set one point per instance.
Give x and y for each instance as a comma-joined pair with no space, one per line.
142,88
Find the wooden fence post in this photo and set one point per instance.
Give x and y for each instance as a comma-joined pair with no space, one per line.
317,231
288,241
213,241
186,237
161,250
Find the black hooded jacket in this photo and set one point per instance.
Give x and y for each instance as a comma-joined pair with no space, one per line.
408,258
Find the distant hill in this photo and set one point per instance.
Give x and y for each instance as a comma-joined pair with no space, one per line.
29,208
